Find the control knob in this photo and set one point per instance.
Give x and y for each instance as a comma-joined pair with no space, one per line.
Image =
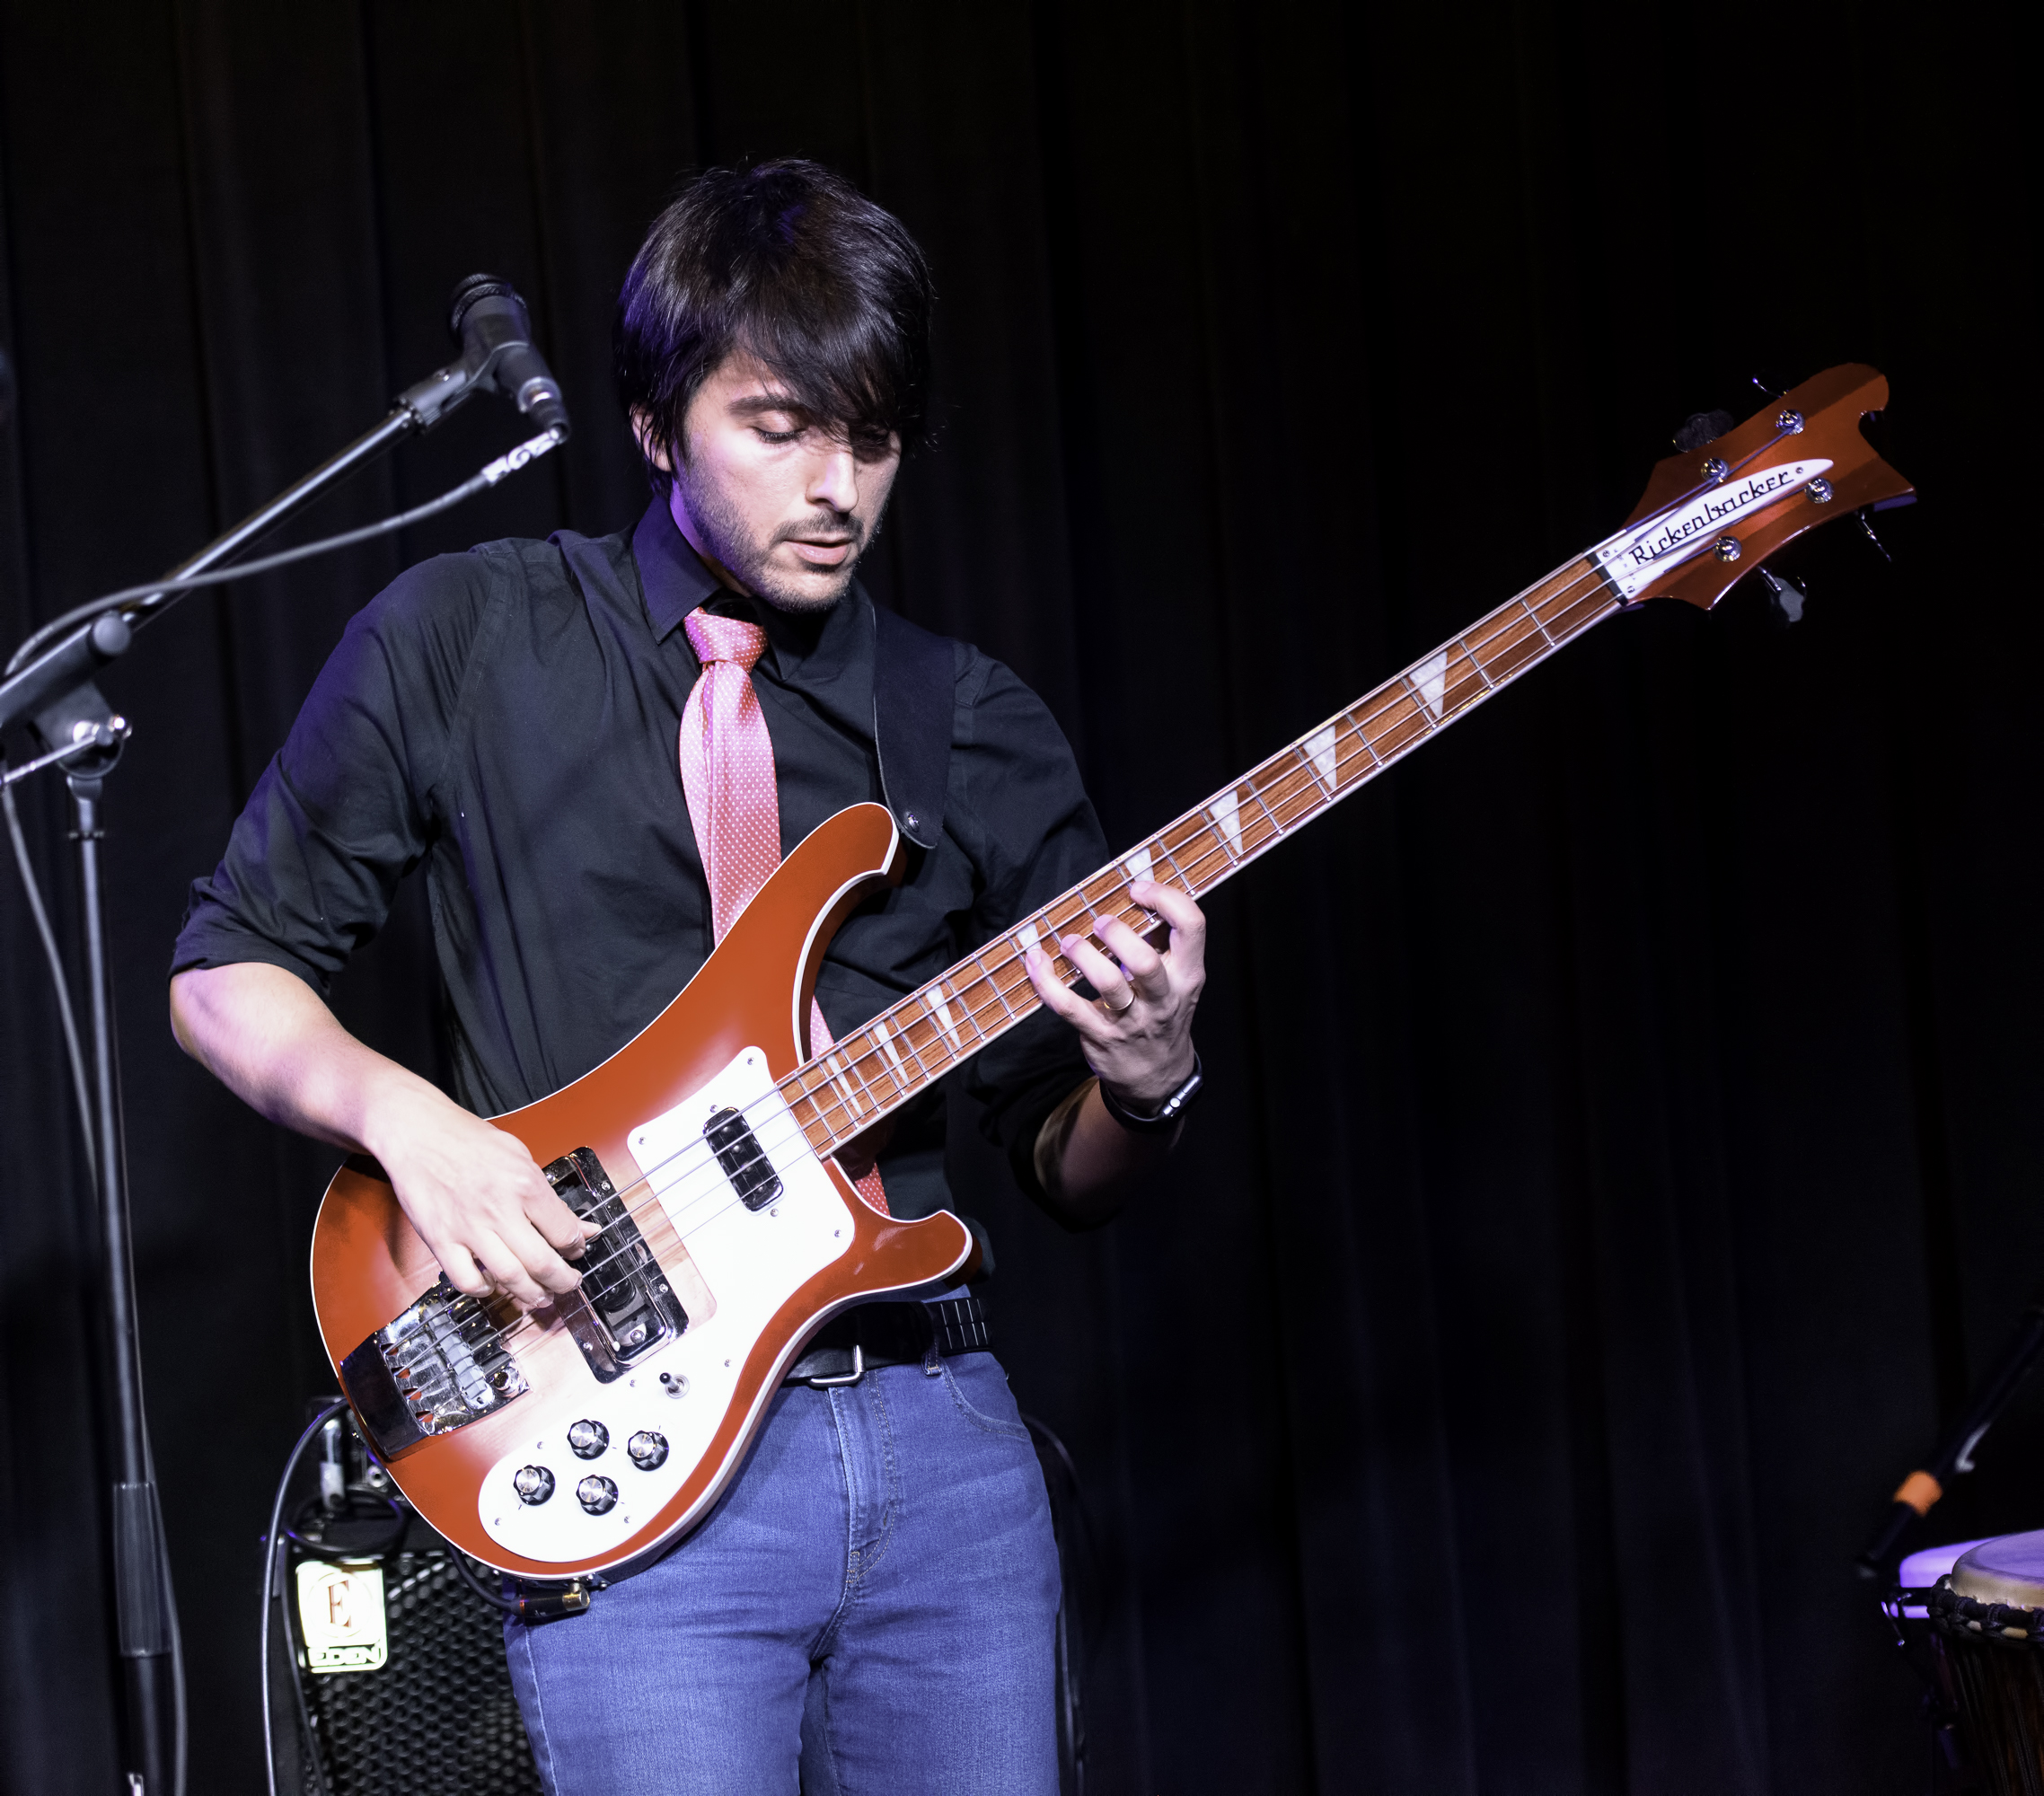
533,1483
598,1495
649,1450
589,1438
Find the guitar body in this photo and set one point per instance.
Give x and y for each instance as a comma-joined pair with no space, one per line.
750,1284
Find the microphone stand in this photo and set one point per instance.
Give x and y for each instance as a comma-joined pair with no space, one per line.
76,725
1954,1454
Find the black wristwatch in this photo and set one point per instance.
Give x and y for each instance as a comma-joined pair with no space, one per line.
1168,1117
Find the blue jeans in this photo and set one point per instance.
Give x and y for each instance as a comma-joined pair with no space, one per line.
871,1608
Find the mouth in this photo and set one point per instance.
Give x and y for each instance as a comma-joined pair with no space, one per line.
824,551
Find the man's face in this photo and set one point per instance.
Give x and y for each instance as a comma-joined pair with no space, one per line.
776,502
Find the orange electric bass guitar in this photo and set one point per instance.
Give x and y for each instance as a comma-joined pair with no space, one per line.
586,1436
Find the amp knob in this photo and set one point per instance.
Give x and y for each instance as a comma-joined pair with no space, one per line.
649,1450
533,1483
589,1438
598,1495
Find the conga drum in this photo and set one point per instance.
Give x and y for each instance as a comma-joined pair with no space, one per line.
1988,1615
1907,1607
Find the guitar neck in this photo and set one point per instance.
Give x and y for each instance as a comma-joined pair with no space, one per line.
879,1067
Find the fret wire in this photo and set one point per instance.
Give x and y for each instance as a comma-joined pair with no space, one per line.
1283,791
992,978
871,1050
1470,655
1538,625
848,1088
1363,735
852,1056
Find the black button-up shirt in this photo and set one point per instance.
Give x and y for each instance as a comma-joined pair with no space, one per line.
510,717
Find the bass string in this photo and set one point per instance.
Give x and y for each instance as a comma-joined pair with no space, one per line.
1294,797
1293,784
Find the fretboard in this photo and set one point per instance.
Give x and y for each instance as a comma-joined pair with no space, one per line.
876,1068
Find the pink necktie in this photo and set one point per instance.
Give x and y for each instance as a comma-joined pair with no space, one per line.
727,777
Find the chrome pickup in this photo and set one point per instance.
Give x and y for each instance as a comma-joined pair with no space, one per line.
625,1309
438,1365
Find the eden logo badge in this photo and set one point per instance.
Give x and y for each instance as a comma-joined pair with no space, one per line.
1637,556
340,1609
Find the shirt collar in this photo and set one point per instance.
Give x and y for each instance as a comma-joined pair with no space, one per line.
671,572
812,650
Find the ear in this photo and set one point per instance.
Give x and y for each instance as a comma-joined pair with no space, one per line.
650,445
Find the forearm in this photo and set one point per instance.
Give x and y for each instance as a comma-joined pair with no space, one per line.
1086,1161
470,1189
267,1037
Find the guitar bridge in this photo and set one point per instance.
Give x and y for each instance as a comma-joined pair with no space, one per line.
437,1366
625,1309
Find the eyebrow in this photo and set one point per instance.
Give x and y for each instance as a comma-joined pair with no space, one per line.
755,403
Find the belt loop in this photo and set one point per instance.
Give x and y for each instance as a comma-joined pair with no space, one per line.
932,1358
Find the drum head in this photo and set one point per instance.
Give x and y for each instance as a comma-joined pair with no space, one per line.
2009,1570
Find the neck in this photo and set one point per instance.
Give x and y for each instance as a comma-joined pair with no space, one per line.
876,1068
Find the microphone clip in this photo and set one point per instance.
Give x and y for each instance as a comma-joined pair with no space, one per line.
487,317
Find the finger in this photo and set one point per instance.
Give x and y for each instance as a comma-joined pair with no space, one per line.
462,1270
536,1256
1144,966
1102,975
561,1228
1187,921
510,1273
1061,999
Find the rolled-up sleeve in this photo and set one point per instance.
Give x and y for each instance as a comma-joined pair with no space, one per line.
344,809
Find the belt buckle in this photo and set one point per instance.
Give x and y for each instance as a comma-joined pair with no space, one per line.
851,1378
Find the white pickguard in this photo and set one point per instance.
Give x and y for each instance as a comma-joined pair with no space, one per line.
752,1261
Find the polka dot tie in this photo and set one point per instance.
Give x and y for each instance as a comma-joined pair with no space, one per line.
727,778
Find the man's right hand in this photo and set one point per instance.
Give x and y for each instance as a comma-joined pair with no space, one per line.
475,1197
472,1191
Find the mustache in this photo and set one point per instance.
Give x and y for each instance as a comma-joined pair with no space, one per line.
825,523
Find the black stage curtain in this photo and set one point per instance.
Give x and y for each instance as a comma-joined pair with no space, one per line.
1616,1161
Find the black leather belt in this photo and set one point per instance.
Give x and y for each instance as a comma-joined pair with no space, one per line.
874,1335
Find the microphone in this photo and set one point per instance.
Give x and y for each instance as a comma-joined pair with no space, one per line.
487,319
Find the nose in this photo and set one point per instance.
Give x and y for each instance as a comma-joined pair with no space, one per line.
834,481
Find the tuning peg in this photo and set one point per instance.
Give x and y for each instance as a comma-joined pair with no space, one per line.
1784,595
1867,526
1701,427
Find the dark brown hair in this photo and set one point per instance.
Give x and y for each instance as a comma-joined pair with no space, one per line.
794,265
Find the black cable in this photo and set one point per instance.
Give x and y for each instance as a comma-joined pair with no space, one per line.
319,1549
181,1738
145,599
272,1587
459,1560
57,978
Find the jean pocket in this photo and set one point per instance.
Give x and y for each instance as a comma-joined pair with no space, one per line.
980,1389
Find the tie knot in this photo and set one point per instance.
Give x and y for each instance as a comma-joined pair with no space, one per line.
723,638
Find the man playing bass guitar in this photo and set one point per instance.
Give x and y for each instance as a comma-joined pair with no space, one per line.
870,1605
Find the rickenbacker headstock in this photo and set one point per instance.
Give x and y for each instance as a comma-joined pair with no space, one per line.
1719,511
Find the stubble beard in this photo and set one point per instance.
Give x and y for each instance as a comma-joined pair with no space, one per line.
726,536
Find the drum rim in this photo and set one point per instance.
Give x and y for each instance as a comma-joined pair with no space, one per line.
1962,1617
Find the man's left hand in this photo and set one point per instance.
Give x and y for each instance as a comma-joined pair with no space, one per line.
1137,1033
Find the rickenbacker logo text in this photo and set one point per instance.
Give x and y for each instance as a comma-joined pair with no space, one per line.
1632,561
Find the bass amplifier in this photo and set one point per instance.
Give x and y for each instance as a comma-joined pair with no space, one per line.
396,1677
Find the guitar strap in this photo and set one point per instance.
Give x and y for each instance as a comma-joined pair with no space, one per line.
914,686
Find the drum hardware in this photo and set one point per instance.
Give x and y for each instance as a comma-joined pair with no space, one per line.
1986,1635
1954,1454
1908,1609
